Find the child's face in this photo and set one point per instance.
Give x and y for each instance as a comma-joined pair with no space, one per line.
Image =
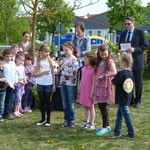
8,57
20,60
28,62
15,50
67,51
1,64
45,53
86,60
103,55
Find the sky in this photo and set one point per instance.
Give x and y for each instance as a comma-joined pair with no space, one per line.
97,8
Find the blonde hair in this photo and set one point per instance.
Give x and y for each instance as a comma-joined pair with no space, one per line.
44,48
126,60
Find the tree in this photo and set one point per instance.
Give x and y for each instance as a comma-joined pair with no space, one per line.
119,10
63,13
11,25
36,8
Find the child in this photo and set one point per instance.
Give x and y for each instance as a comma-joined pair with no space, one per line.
19,90
86,90
44,72
68,72
3,87
10,73
123,95
103,92
15,49
27,99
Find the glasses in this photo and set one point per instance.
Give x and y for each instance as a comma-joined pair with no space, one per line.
127,24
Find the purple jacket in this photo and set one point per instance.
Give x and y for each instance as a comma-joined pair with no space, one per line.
31,77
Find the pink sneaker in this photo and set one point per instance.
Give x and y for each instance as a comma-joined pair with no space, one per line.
20,114
16,115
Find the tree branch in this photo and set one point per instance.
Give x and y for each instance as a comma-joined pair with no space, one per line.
25,7
78,6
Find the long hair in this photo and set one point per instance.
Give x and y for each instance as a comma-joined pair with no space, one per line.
103,48
44,48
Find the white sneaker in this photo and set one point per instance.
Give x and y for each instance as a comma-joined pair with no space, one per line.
40,123
47,124
84,124
89,126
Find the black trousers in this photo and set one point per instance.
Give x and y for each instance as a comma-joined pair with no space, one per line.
104,112
138,79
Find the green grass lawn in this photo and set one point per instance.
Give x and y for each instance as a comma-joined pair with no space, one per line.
23,134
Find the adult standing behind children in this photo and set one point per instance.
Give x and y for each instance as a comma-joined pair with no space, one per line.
25,44
82,45
139,43
10,73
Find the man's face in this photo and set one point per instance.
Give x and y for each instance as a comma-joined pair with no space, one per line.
129,24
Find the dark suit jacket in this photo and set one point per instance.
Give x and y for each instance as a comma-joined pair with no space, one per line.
140,43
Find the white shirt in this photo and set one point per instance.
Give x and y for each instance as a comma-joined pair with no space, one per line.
20,72
45,79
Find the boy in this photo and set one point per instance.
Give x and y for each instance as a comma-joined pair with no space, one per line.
11,76
3,82
124,92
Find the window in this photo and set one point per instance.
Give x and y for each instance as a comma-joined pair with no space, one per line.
99,33
90,33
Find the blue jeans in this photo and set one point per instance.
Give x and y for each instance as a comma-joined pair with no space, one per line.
67,94
123,111
46,88
8,101
2,102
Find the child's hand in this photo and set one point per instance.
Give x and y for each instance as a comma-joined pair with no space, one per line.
91,96
54,89
46,72
13,87
32,71
100,77
4,80
22,83
15,83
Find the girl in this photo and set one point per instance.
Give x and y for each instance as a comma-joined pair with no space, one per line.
68,72
86,90
19,89
27,99
103,91
45,82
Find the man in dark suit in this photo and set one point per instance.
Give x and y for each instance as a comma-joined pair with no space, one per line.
139,43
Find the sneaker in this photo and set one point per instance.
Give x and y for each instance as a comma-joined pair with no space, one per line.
41,122
10,117
89,126
113,135
84,124
16,114
126,136
102,133
1,119
25,110
65,124
72,124
29,109
47,124
99,129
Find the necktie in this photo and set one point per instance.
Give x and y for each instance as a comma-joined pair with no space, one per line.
128,38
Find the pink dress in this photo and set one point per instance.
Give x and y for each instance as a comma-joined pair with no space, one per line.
103,91
86,86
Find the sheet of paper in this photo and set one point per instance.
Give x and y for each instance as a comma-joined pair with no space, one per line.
125,46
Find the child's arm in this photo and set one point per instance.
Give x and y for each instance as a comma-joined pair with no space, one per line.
53,76
91,95
37,74
111,73
3,80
